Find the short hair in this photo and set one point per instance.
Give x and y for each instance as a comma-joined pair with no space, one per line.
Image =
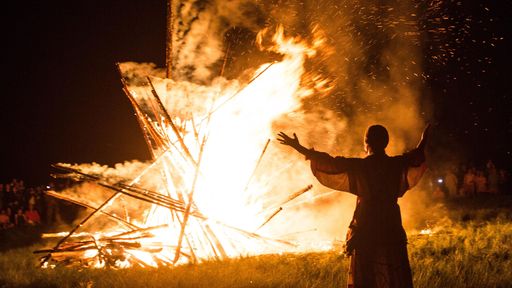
376,137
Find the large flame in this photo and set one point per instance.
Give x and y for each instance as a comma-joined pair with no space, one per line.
212,155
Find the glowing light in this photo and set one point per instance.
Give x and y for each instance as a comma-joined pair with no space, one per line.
427,231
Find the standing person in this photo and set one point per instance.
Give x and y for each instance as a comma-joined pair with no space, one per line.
376,240
5,222
32,216
20,219
469,187
480,182
450,181
492,178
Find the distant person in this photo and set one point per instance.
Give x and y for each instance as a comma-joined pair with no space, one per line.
492,178
5,222
31,198
8,196
52,211
468,186
376,240
480,182
10,213
19,218
32,216
450,182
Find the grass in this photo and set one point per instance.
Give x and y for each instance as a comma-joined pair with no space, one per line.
469,248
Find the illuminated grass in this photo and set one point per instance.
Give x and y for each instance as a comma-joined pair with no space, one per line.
471,249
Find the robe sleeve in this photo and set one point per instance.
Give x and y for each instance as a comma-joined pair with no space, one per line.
415,165
332,172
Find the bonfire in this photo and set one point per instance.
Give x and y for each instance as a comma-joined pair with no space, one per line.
210,189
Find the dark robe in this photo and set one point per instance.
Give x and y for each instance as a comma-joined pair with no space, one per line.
376,239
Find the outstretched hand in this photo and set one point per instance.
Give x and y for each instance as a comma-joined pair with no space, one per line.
292,142
287,140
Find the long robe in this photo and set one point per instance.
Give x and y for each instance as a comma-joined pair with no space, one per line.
376,239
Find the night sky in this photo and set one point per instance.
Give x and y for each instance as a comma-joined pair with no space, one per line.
64,101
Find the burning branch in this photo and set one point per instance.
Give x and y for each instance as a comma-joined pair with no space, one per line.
257,165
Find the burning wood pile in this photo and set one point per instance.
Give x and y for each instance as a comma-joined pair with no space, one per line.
211,189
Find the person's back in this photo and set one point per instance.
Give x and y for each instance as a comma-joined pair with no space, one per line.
378,180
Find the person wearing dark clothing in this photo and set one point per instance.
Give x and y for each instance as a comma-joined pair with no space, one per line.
376,239
20,219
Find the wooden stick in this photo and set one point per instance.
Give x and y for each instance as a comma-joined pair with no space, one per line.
297,194
218,245
270,218
130,190
138,112
168,50
257,164
141,230
290,198
225,61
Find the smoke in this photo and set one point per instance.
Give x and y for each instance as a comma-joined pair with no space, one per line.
198,29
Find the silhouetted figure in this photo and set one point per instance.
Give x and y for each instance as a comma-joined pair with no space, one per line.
492,177
376,239
450,181
469,187
480,182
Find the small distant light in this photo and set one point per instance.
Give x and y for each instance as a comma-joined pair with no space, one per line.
426,232
439,180
47,187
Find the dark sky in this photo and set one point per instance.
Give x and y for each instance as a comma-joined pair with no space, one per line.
64,101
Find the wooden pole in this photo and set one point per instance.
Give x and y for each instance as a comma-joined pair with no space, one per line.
257,164
168,47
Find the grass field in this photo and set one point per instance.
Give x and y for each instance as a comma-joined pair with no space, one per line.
470,248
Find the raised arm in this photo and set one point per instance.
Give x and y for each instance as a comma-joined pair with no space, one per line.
416,157
424,138
320,161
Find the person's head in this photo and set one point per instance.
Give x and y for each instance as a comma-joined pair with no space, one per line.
376,139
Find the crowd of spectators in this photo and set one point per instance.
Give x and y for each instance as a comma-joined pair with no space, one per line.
471,180
26,206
